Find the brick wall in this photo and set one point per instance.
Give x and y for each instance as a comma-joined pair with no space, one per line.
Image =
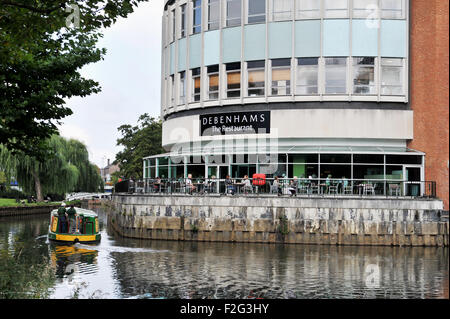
429,88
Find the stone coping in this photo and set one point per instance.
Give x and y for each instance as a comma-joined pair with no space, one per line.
372,202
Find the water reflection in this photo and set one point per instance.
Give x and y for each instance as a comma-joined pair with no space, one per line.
225,270
128,268
63,256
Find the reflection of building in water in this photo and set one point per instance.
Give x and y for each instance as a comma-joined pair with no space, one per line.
221,270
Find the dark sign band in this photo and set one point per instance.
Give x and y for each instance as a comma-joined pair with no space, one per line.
235,123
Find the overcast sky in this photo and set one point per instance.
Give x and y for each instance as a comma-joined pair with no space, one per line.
130,79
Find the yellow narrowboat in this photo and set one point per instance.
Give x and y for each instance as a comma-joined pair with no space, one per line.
86,230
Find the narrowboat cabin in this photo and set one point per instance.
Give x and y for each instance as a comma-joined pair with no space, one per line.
86,230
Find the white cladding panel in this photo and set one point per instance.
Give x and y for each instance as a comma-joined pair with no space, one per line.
308,123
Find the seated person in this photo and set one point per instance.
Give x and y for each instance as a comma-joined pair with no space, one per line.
210,184
293,186
276,186
247,185
190,187
229,185
157,185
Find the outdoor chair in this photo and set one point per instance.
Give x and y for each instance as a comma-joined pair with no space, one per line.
332,189
314,189
273,189
302,189
210,187
369,188
247,189
394,188
348,190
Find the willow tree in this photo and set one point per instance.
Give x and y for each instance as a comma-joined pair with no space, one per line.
89,178
63,171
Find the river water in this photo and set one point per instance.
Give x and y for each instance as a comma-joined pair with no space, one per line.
130,268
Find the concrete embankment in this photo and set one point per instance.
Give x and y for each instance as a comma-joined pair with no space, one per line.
26,210
267,219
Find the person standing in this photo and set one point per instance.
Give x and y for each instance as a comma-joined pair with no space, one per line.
62,218
72,214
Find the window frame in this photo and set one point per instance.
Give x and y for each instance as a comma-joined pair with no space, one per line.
256,69
400,67
218,4
288,86
183,20
208,75
361,66
335,66
194,94
227,18
272,11
182,88
297,71
248,15
326,11
172,90
196,28
298,10
229,71
366,13
403,11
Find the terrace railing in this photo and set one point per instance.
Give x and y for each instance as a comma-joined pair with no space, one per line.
282,187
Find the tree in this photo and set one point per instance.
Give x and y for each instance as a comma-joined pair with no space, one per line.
3,181
66,169
89,178
139,141
40,63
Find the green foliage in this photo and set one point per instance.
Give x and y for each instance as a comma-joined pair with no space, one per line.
76,203
194,228
283,227
9,202
12,193
139,141
89,178
19,280
3,179
66,169
40,59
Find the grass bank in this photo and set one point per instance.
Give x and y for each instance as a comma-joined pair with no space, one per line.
11,202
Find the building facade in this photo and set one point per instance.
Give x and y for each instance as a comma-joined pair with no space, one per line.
291,88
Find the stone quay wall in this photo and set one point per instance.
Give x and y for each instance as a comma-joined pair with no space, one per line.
268,219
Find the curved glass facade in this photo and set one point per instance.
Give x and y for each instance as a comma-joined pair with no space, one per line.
237,52
287,88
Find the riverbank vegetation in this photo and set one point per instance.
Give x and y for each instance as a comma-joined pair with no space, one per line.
66,169
25,268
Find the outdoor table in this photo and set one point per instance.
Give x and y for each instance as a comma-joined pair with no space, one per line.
238,186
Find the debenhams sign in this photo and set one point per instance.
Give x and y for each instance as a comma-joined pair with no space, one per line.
235,123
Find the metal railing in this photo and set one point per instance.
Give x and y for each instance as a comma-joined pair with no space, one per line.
281,187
